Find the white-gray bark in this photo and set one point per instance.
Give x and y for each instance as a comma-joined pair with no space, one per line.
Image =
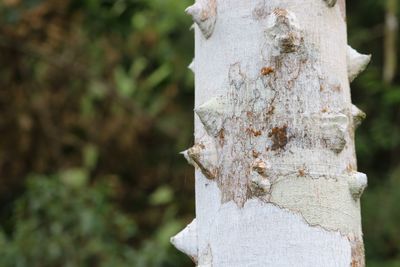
276,173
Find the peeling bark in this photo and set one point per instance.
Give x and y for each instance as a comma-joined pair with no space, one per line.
275,135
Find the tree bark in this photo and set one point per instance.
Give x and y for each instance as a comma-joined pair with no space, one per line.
276,179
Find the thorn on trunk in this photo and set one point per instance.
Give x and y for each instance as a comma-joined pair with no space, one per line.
259,180
213,114
334,129
356,63
192,66
186,240
357,183
284,31
204,14
358,116
204,157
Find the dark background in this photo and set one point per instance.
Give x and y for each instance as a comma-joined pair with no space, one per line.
96,102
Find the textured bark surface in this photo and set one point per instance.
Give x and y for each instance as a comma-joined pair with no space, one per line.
276,180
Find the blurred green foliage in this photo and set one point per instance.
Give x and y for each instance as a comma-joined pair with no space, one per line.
61,221
94,91
96,102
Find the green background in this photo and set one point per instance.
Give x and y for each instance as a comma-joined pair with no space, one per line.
96,103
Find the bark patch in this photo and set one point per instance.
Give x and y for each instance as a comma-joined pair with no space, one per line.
279,137
357,251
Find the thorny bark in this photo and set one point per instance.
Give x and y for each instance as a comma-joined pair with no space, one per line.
274,136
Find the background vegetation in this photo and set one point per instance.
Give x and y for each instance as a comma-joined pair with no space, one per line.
96,102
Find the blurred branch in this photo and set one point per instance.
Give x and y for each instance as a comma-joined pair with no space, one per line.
390,47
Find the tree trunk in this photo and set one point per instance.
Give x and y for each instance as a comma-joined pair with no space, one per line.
276,179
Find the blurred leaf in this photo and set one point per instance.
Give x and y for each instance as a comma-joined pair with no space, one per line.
76,177
90,155
124,82
163,195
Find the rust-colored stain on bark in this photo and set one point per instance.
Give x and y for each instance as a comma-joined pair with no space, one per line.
302,173
254,132
357,252
267,70
255,154
257,133
271,110
221,137
279,137
280,12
